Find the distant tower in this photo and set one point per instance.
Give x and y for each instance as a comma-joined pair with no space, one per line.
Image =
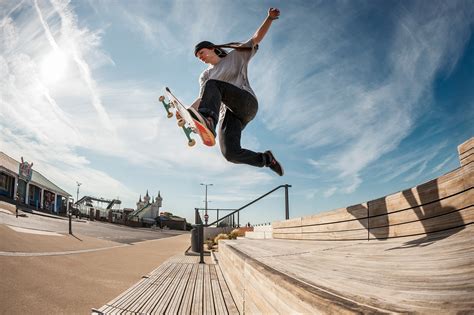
147,198
155,206
159,200
140,202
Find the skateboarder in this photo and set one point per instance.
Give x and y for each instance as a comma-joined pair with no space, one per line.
225,81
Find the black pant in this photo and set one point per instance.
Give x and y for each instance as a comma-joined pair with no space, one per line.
241,108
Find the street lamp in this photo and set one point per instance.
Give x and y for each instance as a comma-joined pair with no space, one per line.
206,216
77,196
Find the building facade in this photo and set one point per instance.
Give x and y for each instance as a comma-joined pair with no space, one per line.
19,182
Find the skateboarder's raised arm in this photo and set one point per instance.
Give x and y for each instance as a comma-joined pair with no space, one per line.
273,14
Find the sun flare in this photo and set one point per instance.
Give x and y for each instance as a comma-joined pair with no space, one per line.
54,66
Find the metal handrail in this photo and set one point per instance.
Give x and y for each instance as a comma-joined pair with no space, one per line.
201,226
287,212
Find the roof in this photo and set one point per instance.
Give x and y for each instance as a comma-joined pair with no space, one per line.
37,178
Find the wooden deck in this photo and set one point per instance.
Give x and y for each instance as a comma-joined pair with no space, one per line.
179,286
431,274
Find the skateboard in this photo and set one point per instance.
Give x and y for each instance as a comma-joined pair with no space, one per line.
185,120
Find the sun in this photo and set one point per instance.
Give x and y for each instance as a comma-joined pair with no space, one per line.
54,66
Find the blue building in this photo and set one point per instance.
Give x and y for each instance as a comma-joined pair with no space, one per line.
30,187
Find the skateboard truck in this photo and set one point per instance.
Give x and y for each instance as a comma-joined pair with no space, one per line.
181,123
166,105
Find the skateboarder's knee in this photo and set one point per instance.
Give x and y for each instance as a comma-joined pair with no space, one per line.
230,154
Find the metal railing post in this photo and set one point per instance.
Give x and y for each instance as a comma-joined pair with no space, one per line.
201,244
230,218
70,222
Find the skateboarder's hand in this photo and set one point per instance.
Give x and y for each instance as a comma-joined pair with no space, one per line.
273,13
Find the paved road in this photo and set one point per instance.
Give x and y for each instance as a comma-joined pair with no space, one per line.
101,230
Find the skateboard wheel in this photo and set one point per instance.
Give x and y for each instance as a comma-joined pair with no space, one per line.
191,142
181,122
162,98
170,115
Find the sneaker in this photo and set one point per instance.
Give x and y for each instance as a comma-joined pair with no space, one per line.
273,164
206,121
205,126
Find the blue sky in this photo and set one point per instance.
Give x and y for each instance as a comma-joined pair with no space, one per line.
358,99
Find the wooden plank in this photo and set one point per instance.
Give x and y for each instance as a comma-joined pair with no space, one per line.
432,191
337,226
208,300
469,178
360,234
130,298
145,303
170,292
285,230
231,307
468,159
432,274
186,304
136,290
358,211
466,146
177,286
457,219
179,294
444,206
338,215
125,294
233,273
286,223
466,154
146,284
197,305
217,296
168,286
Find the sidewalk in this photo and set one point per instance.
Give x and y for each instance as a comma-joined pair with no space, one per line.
73,279
7,207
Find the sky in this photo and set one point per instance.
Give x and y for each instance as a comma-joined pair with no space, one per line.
357,99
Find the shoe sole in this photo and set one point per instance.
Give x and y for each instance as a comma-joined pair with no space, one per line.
206,135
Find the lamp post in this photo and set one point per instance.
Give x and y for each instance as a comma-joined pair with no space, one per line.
206,216
77,195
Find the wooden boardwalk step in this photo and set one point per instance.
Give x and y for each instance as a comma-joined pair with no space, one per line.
179,286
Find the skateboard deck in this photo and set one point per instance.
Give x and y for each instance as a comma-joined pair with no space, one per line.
185,120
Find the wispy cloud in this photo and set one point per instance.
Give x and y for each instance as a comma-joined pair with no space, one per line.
121,119
442,164
358,95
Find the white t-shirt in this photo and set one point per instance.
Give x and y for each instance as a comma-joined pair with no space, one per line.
231,69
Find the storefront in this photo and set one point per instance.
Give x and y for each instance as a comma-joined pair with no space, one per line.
32,188
34,196
7,185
